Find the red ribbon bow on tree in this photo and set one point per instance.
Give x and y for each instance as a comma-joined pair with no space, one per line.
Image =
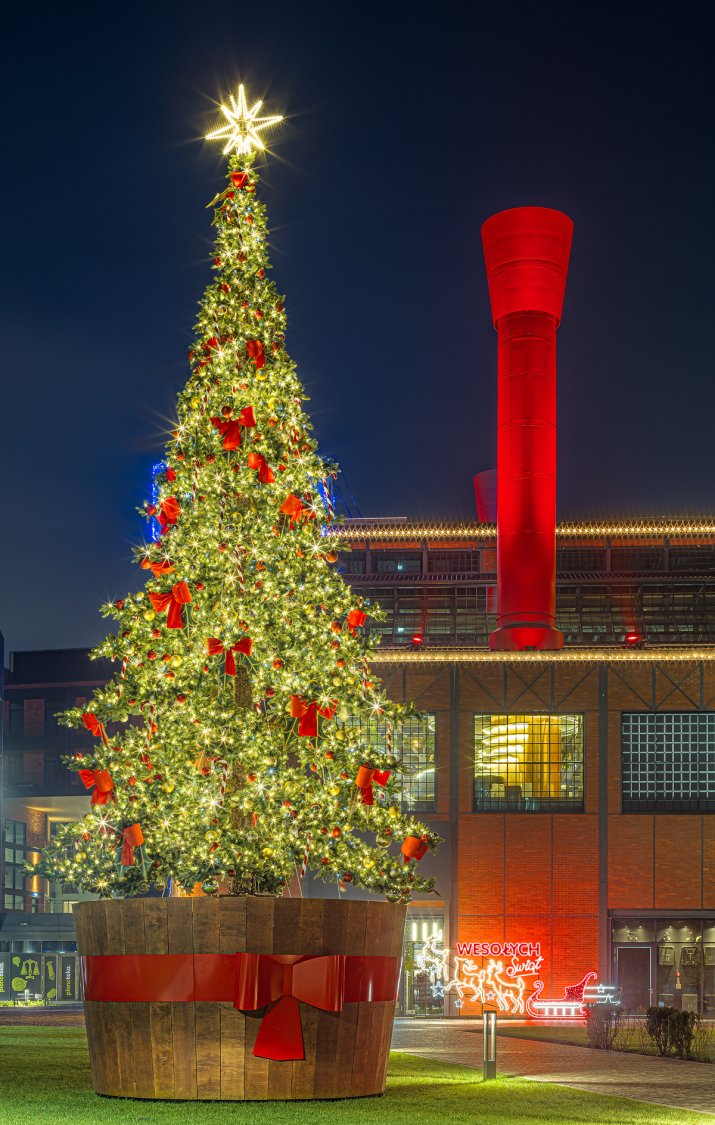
93,724
169,512
364,780
179,596
295,509
355,620
244,646
254,351
281,982
132,837
103,785
414,847
308,715
265,472
158,569
230,428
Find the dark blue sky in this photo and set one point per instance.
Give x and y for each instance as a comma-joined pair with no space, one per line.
408,124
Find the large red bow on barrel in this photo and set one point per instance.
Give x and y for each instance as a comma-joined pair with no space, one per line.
364,779
308,715
169,512
103,785
355,620
254,351
179,596
93,724
214,646
230,428
265,472
280,982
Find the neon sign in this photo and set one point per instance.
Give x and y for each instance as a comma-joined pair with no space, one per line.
507,978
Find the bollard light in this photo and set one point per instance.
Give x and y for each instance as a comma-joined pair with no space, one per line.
489,1017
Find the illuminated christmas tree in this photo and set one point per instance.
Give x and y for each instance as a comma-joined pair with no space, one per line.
236,743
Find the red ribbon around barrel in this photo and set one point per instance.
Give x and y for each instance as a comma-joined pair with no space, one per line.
251,981
243,647
308,715
174,601
230,428
103,785
364,779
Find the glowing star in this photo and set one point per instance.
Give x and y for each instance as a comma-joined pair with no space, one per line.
243,125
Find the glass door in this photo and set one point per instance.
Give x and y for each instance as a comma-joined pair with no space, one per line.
634,970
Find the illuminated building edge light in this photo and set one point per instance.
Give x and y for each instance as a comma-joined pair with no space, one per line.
652,654
408,531
508,979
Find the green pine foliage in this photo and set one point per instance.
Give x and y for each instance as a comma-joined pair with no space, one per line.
226,747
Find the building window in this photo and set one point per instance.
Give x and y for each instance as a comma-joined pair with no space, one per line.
414,743
34,718
581,560
14,853
397,562
632,560
668,761
528,763
454,562
351,562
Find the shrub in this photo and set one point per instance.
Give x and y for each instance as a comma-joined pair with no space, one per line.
602,1026
681,1026
658,1028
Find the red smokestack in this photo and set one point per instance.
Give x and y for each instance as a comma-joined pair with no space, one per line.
526,251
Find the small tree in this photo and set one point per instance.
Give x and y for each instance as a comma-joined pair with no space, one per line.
236,741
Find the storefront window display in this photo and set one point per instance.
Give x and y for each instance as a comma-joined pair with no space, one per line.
665,961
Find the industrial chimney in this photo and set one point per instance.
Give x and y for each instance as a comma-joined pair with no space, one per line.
526,251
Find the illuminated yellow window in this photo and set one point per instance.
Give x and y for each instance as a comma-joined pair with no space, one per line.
528,763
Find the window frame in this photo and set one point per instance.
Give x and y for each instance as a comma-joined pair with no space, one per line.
551,806
670,806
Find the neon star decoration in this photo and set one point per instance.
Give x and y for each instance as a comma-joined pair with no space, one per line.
242,125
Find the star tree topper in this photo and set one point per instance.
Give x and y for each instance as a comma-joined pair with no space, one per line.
243,125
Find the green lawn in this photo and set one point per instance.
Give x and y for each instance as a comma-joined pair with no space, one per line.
44,1080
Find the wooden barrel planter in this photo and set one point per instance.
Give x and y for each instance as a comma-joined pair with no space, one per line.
176,1006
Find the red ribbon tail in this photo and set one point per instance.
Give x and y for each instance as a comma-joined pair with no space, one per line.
175,616
366,795
229,664
280,1035
128,854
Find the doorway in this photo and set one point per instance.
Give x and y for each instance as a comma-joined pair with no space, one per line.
634,977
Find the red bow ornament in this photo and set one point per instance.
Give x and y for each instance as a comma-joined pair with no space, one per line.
179,596
280,982
254,351
239,179
230,428
414,847
243,647
308,715
355,620
296,510
93,724
159,569
169,512
132,837
103,785
265,472
364,779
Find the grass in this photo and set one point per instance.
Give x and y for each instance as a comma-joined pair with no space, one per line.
45,1080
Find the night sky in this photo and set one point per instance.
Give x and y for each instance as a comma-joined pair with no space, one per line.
408,125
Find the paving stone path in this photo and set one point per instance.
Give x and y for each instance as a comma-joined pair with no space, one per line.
667,1082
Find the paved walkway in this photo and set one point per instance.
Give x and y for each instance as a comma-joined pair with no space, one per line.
666,1082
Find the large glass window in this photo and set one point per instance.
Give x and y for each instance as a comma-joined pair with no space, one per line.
414,743
14,845
668,761
528,763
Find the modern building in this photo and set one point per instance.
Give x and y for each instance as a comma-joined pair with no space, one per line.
573,788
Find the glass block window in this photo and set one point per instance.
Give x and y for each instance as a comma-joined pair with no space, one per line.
528,763
414,743
668,761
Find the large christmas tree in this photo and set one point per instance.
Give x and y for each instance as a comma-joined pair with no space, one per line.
236,743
